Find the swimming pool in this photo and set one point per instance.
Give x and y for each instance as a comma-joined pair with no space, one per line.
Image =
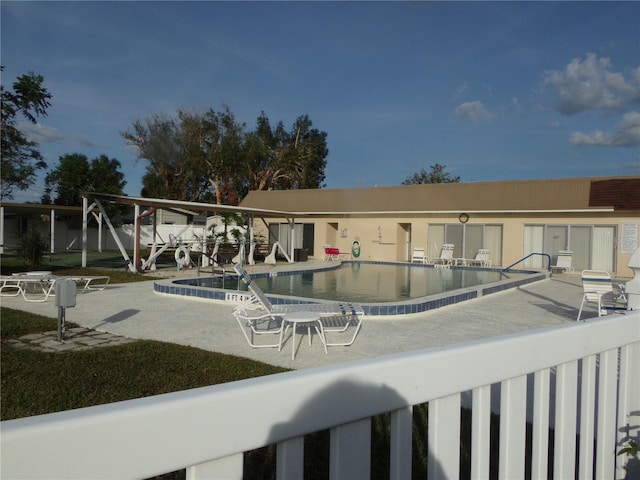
382,288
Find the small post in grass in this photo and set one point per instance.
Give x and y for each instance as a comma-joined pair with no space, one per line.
65,297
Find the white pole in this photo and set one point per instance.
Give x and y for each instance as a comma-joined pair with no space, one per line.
85,213
52,227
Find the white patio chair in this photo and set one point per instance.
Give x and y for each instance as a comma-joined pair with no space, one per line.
564,261
418,256
595,285
446,256
259,316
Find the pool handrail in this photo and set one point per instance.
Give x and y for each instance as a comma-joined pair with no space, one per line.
530,255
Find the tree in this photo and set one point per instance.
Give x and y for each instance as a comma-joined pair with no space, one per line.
211,157
20,157
75,174
191,157
436,175
278,160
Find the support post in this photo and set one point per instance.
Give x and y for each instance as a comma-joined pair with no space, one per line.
52,231
85,213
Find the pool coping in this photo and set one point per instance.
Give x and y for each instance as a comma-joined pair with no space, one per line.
405,307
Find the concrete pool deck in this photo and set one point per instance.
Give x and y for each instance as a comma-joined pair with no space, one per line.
135,311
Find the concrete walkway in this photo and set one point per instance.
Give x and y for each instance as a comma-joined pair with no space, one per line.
135,311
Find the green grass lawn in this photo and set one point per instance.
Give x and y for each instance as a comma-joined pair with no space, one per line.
33,382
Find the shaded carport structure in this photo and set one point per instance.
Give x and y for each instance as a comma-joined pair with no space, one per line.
93,204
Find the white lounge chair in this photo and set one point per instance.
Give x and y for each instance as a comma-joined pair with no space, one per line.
595,285
86,284
258,316
482,259
446,256
418,256
33,286
564,261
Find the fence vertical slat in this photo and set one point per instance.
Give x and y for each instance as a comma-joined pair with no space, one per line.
443,438
513,419
540,434
350,451
480,428
606,418
229,468
565,420
290,459
628,405
587,416
400,454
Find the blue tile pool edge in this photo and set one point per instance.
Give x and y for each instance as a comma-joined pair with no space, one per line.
407,307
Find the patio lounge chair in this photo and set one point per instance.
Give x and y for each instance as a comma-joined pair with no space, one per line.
564,261
418,256
86,284
33,286
258,316
446,256
595,285
482,259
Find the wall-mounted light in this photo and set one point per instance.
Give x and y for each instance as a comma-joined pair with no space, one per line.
463,218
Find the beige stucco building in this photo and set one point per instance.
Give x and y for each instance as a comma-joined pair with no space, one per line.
596,218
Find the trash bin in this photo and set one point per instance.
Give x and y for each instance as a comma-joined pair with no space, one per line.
300,254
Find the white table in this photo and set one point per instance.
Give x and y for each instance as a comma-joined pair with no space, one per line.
308,319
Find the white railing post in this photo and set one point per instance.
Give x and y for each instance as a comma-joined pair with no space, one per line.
443,460
588,379
564,444
628,405
540,434
606,418
290,459
513,419
480,426
350,451
401,443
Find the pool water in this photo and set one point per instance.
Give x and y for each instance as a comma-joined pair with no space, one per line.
363,282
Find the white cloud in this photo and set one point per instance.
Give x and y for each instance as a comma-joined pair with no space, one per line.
473,111
590,85
462,92
36,132
83,141
626,134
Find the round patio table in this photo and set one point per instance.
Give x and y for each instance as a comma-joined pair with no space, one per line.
308,319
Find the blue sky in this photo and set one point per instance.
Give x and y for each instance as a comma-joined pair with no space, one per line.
494,91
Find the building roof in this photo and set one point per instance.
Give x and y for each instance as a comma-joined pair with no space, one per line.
545,195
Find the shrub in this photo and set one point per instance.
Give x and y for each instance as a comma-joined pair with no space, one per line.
32,247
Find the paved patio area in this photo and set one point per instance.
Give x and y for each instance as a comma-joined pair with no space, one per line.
135,311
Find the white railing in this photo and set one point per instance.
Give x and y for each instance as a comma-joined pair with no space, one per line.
586,372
